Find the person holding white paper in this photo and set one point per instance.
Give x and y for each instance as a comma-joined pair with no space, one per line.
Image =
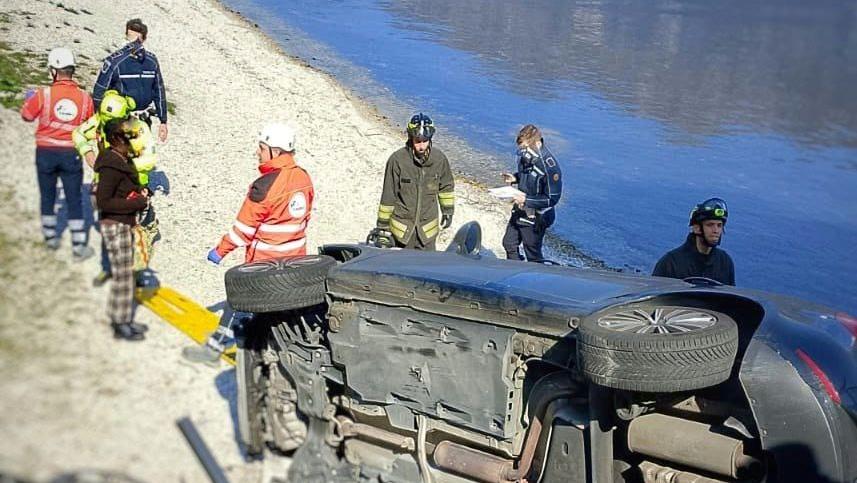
539,181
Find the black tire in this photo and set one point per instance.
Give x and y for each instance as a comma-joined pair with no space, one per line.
250,395
280,284
670,349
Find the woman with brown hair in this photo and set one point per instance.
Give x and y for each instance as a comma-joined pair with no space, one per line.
120,198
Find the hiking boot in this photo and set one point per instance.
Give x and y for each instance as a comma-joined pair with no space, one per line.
81,252
203,354
138,327
101,278
125,332
52,243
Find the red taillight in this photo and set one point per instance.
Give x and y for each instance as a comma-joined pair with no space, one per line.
849,321
822,377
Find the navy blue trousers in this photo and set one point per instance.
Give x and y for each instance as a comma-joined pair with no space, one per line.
54,164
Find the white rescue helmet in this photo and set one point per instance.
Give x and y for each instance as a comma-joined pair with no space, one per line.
277,135
60,58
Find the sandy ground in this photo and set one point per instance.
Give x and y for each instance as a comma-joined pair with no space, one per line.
71,397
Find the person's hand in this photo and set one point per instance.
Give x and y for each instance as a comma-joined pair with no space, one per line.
30,93
145,192
508,178
446,220
214,257
520,199
89,157
162,132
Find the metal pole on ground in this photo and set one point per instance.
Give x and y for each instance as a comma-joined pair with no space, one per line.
201,450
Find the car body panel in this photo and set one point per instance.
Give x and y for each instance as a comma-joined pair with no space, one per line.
809,434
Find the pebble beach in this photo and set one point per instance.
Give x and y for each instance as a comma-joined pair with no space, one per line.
74,399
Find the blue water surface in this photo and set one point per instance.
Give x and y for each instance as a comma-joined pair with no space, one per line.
651,107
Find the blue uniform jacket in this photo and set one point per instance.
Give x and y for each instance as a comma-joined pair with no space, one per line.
540,178
133,71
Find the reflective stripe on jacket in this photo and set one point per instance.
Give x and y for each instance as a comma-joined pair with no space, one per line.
60,108
274,216
541,181
413,190
133,71
89,136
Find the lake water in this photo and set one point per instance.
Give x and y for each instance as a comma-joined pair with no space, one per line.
650,106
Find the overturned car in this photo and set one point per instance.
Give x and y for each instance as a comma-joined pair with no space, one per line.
370,364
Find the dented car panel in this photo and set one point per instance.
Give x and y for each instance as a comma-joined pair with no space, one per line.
451,368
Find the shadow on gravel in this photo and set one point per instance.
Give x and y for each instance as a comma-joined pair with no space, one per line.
61,210
81,476
227,388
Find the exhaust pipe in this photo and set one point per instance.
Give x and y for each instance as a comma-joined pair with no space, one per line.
653,473
689,443
471,463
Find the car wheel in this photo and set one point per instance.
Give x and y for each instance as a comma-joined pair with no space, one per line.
250,395
278,284
657,348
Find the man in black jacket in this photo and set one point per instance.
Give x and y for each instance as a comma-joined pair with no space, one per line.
699,255
539,179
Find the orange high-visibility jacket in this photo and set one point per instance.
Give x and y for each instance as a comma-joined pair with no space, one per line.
60,108
275,213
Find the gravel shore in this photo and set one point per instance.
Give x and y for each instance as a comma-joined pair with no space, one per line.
72,398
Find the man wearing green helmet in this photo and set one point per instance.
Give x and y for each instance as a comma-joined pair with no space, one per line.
699,256
89,140
417,179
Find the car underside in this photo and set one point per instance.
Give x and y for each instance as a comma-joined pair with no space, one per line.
436,367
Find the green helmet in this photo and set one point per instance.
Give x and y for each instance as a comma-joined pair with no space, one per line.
116,106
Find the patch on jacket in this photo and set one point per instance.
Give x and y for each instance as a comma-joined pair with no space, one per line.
550,161
298,205
259,189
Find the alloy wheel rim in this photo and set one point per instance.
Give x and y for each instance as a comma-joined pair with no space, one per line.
659,320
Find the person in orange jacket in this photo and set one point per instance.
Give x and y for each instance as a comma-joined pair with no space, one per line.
271,223
59,109
274,215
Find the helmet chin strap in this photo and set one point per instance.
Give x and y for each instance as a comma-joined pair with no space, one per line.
705,240
708,243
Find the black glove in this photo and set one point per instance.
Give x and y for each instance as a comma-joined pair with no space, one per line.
446,221
380,237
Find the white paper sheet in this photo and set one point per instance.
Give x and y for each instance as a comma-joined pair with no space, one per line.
505,193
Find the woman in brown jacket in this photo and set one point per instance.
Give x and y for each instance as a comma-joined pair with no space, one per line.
119,198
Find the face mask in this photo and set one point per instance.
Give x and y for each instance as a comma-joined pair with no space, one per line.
527,154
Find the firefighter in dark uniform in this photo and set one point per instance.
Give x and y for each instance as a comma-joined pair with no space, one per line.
699,255
416,181
539,178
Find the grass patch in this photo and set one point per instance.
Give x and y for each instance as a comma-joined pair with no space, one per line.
4,17
19,71
171,108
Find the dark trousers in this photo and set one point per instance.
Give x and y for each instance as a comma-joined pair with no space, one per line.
522,233
63,164
105,259
416,244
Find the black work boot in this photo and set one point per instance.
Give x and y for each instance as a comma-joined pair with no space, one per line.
124,331
139,327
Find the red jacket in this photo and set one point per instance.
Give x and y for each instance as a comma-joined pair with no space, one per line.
60,108
274,215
